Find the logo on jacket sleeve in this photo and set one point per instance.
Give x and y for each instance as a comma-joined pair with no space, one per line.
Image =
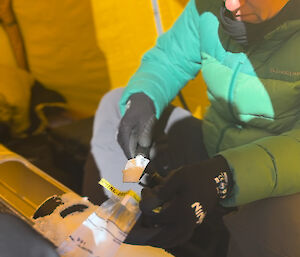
200,214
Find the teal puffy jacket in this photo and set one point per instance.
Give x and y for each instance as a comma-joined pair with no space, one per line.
254,116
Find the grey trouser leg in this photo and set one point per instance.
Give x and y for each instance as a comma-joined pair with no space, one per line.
106,151
266,228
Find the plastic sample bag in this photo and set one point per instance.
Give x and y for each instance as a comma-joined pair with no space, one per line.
79,228
102,233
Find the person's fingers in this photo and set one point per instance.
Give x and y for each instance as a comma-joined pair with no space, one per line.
172,231
123,137
149,201
137,124
145,133
171,186
172,211
132,145
130,136
161,194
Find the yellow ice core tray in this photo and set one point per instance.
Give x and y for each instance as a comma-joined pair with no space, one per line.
23,187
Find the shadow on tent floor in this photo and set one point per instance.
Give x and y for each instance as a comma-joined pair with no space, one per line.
61,152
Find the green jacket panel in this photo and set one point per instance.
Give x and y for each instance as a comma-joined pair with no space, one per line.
253,119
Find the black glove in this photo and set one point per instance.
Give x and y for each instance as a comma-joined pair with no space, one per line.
17,238
136,126
186,196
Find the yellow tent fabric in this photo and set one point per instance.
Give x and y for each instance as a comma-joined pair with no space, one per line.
62,50
7,56
82,49
15,87
125,30
14,98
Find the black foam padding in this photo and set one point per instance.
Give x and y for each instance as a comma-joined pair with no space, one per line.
72,209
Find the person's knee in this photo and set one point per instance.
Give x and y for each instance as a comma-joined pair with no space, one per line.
109,106
113,96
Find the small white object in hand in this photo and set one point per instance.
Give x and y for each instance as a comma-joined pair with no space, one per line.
134,169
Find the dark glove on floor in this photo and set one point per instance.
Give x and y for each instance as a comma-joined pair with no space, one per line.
136,126
17,238
186,196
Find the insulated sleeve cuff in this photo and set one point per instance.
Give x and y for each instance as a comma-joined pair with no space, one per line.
266,168
250,183
149,87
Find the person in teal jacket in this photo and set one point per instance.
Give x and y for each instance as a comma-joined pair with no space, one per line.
246,150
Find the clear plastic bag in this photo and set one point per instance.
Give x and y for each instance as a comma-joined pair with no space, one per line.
102,233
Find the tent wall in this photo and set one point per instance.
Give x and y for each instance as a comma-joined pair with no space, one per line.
62,50
84,48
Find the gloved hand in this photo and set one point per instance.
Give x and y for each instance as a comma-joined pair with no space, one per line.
136,126
17,238
186,196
